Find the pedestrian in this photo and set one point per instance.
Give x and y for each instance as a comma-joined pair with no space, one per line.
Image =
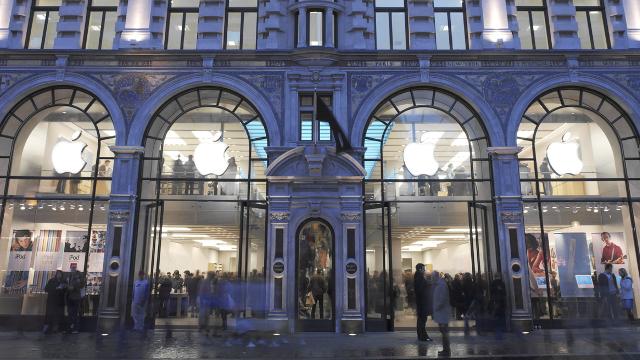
139,301
468,294
608,291
55,290
75,293
626,292
192,285
423,295
318,287
498,304
205,298
164,293
441,311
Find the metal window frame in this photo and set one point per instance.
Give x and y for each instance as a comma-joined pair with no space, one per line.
177,10
603,12
313,109
389,11
34,9
242,10
94,9
530,9
449,10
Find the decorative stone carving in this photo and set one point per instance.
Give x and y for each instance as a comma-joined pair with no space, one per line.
271,86
119,215
360,85
511,217
7,80
351,216
279,216
132,89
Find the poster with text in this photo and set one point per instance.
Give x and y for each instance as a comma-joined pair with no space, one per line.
76,241
21,250
74,259
573,259
536,262
609,248
22,240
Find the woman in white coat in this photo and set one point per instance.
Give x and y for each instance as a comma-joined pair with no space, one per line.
441,311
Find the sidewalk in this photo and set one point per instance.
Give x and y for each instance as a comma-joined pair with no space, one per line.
607,344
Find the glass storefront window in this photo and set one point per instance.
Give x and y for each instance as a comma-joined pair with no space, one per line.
390,25
55,196
315,281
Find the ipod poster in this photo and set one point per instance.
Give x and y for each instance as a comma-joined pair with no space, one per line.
609,248
572,250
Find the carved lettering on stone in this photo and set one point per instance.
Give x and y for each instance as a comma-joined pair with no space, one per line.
119,215
279,216
352,216
511,217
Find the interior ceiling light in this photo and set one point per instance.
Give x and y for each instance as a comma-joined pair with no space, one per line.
448,237
178,235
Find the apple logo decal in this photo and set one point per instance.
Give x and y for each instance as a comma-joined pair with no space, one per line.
211,156
564,157
67,155
419,157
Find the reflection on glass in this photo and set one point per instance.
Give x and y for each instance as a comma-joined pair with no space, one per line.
442,31
399,31
190,31
458,33
233,30
540,30
37,28
315,271
249,31
52,29
174,31
383,31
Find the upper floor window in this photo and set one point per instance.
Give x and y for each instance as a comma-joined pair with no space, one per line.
451,27
592,26
241,25
101,25
311,127
391,25
45,15
182,25
534,27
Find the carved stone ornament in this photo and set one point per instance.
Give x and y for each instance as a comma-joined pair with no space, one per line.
351,216
511,217
119,215
279,216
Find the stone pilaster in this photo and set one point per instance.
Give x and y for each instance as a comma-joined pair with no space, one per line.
18,12
422,27
562,21
274,25
118,260
302,27
6,9
358,26
632,19
475,27
211,25
329,21
510,232
144,25
71,25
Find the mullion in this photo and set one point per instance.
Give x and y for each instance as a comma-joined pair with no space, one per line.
184,19
531,32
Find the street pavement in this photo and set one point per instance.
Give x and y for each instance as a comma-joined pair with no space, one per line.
601,344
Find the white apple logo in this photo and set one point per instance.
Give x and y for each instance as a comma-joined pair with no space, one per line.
564,157
211,156
419,157
67,155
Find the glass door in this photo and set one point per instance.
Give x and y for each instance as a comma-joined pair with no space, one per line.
478,230
153,215
251,255
378,316
315,276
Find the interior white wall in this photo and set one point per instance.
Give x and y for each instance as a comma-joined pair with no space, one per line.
186,256
452,259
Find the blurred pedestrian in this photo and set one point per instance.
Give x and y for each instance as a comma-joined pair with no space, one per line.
423,295
498,304
205,299
55,289
164,293
139,302
626,292
75,293
441,311
608,292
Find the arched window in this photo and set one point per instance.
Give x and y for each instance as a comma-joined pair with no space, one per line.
578,165
55,168
427,194
203,187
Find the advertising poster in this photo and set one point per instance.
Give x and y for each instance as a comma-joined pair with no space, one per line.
74,259
573,264
609,248
536,262
76,243
20,255
96,250
47,258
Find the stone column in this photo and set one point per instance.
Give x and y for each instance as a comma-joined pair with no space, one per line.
302,27
71,25
497,33
277,269
211,25
6,10
562,21
273,23
144,25
14,19
510,232
632,16
353,305
329,21
422,26
118,260
474,23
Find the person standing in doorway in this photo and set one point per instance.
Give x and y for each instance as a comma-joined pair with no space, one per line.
545,170
55,290
318,287
423,295
139,302
75,292
441,311
626,292
608,291
190,172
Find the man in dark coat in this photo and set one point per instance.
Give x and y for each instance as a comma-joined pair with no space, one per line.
424,301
